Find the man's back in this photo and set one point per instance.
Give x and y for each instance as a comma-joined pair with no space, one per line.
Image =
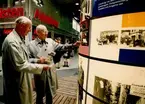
14,79
16,69
7,59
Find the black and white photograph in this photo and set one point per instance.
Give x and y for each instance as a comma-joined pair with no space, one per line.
133,38
81,82
117,93
84,34
84,38
108,37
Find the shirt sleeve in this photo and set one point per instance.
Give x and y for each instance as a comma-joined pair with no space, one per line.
21,62
58,46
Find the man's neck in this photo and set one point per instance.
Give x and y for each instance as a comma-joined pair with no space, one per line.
19,33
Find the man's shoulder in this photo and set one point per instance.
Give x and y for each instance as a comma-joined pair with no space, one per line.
33,41
10,37
9,40
49,39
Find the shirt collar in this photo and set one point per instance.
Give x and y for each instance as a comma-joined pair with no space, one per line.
38,40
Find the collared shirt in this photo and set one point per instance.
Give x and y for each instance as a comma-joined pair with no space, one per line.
40,43
35,46
36,49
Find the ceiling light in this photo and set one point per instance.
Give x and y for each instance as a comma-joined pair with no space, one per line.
77,4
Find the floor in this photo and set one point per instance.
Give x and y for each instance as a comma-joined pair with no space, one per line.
67,92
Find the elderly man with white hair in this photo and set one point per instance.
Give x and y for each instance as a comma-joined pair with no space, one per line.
16,66
42,48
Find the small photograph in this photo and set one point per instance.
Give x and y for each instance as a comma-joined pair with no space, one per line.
133,38
81,82
84,38
84,34
108,37
116,93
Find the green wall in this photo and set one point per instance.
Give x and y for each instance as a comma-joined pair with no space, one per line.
52,10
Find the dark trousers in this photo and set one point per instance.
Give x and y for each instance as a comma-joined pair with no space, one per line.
42,89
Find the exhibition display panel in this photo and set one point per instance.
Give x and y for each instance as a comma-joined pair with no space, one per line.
116,53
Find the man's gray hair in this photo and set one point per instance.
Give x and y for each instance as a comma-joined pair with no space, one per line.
22,20
41,28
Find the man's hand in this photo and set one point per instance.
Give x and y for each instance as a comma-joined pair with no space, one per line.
77,43
52,53
41,60
45,68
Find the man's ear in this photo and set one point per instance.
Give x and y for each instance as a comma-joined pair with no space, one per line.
23,25
19,26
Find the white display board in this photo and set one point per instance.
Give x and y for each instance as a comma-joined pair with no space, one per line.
82,77
116,77
116,54
108,36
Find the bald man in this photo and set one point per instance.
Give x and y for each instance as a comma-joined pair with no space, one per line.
16,67
45,86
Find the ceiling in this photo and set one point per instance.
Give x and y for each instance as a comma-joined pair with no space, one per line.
69,8
66,1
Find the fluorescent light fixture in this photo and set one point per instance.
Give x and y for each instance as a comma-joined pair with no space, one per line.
77,4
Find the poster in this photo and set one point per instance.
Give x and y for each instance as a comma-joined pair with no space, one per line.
117,93
118,77
105,35
113,7
82,78
84,37
117,49
119,38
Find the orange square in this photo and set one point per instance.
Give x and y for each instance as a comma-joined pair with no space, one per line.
133,20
